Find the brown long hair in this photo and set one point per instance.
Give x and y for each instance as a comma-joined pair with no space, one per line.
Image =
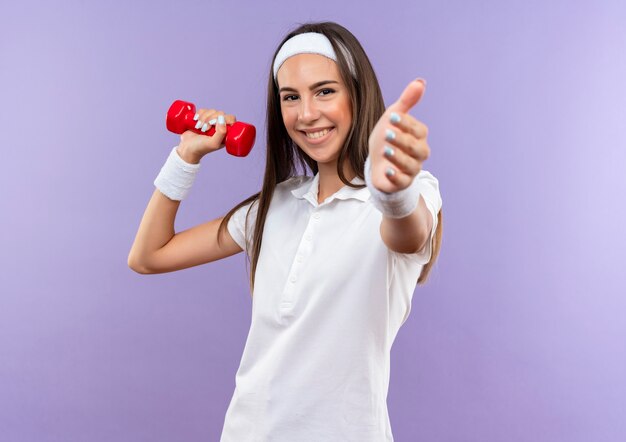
283,155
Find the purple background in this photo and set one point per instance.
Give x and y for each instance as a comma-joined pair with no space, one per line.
519,334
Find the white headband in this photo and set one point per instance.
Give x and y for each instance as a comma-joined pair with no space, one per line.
310,43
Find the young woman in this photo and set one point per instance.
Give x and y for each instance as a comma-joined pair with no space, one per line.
335,257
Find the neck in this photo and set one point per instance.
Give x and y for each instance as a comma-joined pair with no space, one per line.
329,181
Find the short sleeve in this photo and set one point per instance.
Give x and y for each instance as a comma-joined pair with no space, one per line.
242,232
429,190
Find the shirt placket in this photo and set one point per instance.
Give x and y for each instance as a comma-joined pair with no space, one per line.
301,258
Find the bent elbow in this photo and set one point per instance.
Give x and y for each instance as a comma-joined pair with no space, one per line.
137,267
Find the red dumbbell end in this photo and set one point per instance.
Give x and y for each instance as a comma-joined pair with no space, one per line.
179,117
240,139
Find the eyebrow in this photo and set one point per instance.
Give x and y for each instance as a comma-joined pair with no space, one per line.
313,86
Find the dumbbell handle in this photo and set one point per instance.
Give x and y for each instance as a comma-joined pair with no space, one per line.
239,138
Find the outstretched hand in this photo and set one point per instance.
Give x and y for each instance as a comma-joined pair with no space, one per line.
398,142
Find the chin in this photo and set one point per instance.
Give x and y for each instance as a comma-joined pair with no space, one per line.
319,157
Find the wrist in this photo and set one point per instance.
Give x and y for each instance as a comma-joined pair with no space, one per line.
187,156
396,204
176,176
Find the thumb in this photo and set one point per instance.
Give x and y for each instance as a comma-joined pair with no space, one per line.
410,96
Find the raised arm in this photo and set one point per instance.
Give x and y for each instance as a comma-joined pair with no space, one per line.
157,248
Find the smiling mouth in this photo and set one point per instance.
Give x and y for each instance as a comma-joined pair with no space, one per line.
317,135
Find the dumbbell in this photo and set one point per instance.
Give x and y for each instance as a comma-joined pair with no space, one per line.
239,137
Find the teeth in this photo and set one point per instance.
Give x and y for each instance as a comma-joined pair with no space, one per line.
317,134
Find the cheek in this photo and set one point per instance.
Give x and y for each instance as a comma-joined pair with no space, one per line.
346,113
347,120
288,118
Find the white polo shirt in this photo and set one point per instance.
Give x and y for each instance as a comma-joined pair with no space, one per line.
329,299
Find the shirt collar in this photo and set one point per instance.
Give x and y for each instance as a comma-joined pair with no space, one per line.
309,188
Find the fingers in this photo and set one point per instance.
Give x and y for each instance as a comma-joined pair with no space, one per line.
408,123
404,145
414,147
402,161
220,127
400,179
205,118
213,124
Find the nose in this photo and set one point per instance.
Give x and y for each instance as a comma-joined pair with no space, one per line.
308,111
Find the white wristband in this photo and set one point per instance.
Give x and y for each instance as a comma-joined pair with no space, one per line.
393,205
176,177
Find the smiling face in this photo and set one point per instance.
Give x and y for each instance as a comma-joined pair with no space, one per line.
315,106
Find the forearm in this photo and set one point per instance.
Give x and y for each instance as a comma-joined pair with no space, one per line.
157,225
410,233
155,230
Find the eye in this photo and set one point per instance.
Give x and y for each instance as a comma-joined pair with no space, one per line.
290,97
326,92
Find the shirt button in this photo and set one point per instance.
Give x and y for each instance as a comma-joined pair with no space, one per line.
299,259
293,279
316,216
308,237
